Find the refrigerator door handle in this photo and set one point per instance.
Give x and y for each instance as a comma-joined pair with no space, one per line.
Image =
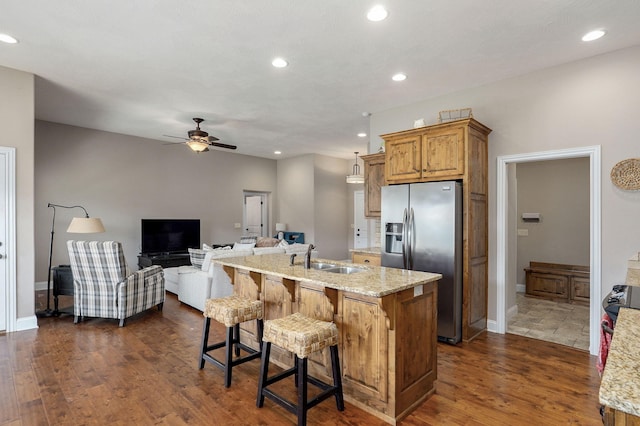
405,248
410,240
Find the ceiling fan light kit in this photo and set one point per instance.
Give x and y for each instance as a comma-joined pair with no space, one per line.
198,146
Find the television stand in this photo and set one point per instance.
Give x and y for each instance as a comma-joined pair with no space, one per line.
164,260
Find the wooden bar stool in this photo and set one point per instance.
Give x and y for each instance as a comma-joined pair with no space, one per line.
302,336
230,311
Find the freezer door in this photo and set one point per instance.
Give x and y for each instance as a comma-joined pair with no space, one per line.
436,240
395,202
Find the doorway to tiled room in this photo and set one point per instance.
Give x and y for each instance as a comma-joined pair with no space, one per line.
551,217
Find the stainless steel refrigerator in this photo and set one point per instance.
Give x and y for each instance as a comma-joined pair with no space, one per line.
422,231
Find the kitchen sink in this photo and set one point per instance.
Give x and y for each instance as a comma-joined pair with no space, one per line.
344,270
334,268
323,265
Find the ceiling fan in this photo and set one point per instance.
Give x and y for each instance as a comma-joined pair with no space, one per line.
200,141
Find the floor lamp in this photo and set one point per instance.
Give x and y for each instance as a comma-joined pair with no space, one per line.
81,225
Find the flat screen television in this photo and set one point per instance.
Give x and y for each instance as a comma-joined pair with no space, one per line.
169,236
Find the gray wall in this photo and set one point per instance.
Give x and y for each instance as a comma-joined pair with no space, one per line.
559,191
313,198
580,104
16,130
123,179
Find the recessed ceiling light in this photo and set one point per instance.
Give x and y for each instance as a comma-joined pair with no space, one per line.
593,35
399,77
7,39
277,152
362,135
279,63
377,13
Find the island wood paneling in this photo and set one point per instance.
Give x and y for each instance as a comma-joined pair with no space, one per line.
384,341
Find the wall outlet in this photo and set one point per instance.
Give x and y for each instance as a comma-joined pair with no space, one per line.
523,232
237,225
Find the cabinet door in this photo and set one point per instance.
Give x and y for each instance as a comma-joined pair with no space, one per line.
550,286
373,180
403,157
443,153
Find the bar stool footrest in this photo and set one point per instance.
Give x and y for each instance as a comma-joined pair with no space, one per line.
252,354
327,391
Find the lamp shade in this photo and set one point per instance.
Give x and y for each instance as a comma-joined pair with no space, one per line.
281,226
85,225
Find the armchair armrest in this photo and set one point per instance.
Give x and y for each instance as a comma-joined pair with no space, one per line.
141,290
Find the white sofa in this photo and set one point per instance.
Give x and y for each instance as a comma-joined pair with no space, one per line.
201,281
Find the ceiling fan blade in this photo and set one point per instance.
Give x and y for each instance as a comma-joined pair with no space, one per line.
177,137
223,145
212,138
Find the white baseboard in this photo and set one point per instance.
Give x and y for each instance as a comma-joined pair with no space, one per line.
492,326
27,323
521,288
41,285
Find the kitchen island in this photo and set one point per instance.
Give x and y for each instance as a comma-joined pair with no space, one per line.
386,318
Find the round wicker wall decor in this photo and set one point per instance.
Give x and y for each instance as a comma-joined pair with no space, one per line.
626,174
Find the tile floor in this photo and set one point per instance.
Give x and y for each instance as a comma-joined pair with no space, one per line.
563,323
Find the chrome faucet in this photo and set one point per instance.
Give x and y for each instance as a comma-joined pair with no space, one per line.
307,257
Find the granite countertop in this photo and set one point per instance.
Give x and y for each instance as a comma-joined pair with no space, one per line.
373,281
367,250
620,385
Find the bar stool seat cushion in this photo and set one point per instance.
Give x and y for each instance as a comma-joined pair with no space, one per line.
232,310
300,334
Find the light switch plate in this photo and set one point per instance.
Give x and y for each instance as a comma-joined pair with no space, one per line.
523,232
237,225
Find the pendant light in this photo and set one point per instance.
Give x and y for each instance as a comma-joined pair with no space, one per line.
355,177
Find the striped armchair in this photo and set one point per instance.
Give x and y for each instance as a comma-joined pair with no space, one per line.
102,287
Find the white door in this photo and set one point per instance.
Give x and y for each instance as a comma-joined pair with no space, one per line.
360,222
255,215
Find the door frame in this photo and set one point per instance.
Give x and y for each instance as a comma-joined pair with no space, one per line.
264,196
8,157
595,256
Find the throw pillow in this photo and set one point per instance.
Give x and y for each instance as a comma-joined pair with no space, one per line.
248,239
283,243
267,242
197,257
241,246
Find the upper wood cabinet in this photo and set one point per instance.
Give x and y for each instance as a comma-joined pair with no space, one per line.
429,153
373,180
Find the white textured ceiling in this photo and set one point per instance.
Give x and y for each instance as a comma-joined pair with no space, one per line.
146,67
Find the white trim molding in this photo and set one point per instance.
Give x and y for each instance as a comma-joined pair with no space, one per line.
595,261
8,155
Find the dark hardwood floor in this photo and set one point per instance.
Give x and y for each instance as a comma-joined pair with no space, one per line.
96,373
